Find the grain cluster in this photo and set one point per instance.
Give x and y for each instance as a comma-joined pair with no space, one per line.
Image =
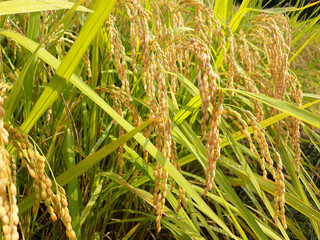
34,162
166,52
170,40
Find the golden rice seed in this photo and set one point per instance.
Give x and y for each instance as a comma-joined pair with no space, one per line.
173,183
7,206
30,154
56,207
72,235
43,185
32,173
6,229
179,206
5,219
43,194
13,200
3,187
159,197
9,129
54,199
15,144
58,198
68,234
49,192
4,134
20,155
15,236
66,210
185,200
181,197
2,112
32,164
67,218
53,217
8,237
64,202
285,226
155,172
48,183
13,189
62,191
155,198
208,188
158,218
17,136
37,179
15,208
15,218
38,196
63,197
40,167
43,177
158,205
36,154
61,212
68,227
276,215
23,146
2,211
47,202
36,188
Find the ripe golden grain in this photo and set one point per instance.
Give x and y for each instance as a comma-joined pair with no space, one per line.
35,163
8,190
163,51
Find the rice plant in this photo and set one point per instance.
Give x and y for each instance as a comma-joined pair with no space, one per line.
181,119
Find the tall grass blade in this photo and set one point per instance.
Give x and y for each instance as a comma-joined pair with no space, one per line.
25,6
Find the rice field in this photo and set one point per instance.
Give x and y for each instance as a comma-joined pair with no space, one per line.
159,119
